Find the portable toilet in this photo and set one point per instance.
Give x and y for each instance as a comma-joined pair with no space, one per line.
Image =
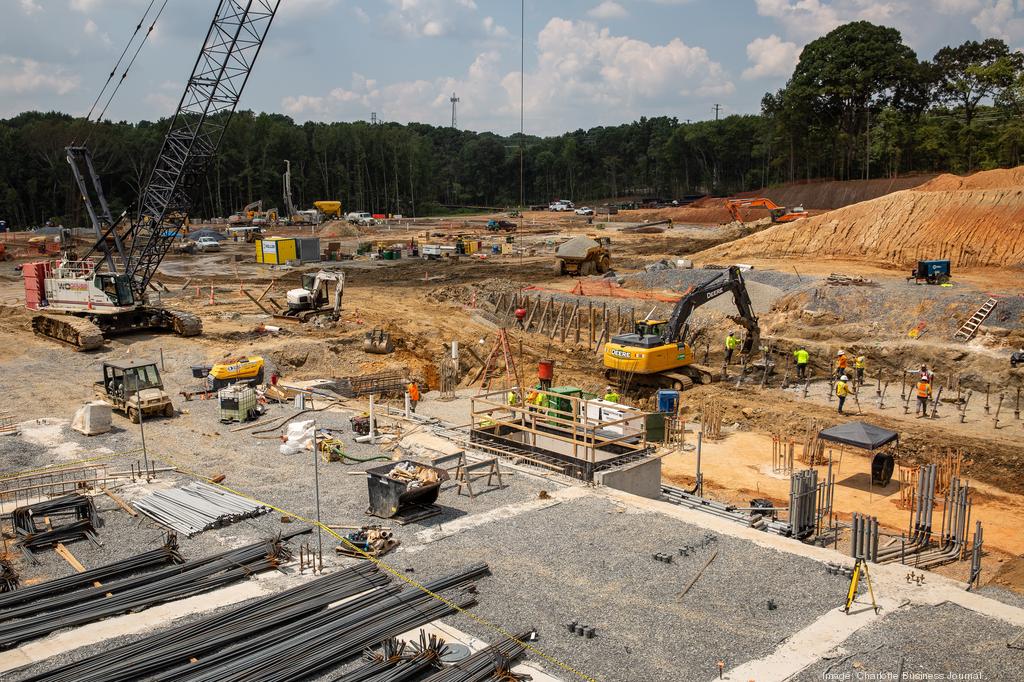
668,401
276,250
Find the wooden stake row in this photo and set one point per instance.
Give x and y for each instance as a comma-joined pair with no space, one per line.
578,321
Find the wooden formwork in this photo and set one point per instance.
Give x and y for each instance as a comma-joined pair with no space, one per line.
577,321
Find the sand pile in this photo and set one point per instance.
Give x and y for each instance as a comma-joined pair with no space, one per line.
977,220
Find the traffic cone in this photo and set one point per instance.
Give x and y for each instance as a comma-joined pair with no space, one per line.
211,295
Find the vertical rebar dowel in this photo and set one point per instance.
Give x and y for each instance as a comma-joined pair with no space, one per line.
935,403
903,386
999,407
988,391
881,396
1016,410
967,401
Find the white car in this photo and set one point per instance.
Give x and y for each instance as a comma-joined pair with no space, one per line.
584,210
206,244
361,218
561,205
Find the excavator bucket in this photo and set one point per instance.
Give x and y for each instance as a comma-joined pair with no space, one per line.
378,342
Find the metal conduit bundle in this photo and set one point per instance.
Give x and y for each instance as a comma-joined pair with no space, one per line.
196,507
316,643
725,511
140,592
864,537
484,664
168,554
179,645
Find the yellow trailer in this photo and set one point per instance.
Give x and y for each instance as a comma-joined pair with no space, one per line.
276,250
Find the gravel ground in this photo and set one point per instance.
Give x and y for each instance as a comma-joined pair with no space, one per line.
938,640
586,560
679,280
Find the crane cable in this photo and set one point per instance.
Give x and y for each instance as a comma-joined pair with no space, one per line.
120,59
134,57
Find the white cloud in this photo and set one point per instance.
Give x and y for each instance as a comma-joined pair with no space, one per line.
956,6
579,68
1002,19
19,76
809,19
771,56
30,6
609,9
85,5
291,10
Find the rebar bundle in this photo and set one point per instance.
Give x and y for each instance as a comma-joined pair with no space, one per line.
135,593
397,662
140,563
78,508
485,664
316,643
196,507
8,576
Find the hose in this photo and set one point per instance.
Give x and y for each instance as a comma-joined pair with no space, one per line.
329,446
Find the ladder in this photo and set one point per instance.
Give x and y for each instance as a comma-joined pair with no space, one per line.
970,327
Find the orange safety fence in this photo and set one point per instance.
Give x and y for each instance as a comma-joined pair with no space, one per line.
608,289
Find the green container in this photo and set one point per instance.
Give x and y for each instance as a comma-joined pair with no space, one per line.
655,424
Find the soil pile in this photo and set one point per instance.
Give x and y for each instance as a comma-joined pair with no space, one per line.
977,220
834,194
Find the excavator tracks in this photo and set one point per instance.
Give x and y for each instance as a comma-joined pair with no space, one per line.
77,332
181,323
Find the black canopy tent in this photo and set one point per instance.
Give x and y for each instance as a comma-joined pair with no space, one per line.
866,437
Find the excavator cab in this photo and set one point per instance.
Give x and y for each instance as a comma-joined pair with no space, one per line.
650,328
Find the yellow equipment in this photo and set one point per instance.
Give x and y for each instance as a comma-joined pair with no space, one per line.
234,370
329,208
657,353
861,568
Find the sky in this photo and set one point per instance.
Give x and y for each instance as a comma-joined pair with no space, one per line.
588,62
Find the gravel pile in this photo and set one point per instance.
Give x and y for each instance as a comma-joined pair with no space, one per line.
587,560
936,640
680,280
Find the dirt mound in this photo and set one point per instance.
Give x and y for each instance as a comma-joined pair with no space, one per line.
713,213
337,228
831,194
980,222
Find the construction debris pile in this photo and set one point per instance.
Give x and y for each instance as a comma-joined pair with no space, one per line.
414,475
196,507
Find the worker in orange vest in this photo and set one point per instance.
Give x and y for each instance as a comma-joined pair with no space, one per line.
924,392
414,395
841,363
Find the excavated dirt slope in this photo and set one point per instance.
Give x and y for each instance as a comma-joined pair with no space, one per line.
836,194
976,220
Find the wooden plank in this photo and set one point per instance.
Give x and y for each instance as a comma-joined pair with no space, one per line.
544,316
120,503
590,319
556,325
568,323
267,290
533,311
258,304
67,556
274,303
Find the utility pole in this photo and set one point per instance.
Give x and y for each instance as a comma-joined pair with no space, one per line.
454,100
288,205
718,107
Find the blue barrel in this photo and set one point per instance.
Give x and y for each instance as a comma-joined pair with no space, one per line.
668,401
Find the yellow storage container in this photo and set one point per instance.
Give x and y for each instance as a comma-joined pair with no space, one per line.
276,250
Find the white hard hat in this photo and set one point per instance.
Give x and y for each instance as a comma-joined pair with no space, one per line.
844,378
842,352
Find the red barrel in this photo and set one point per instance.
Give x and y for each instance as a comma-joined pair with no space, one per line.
546,370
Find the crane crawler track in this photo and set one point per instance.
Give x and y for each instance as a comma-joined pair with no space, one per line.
77,332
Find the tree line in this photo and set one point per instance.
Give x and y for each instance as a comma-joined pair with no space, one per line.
860,104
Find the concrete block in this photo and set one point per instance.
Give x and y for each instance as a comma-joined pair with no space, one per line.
92,419
641,478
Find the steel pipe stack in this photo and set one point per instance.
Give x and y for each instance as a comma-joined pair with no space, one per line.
803,505
864,538
196,507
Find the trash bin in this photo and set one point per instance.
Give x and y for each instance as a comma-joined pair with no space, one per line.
388,495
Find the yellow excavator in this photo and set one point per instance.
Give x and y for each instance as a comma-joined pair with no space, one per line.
229,371
657,352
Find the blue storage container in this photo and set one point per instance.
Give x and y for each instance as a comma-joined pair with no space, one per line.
668,401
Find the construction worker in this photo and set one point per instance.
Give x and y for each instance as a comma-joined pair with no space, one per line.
414,395
860,364
842,390
513,398
802,357
611,395
924,393
842,362
924,374
731,344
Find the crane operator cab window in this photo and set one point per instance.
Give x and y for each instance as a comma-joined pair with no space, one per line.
117,288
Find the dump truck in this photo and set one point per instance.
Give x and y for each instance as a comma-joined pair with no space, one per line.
583,256
134,386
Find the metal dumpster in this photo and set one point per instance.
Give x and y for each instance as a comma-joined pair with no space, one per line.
388,496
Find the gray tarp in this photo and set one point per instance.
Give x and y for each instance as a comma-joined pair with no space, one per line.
859,435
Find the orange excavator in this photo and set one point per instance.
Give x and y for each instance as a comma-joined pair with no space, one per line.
779,214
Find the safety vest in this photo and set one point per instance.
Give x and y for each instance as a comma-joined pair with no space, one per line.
612,397
924,390
802,356
731,342
414,391
860,363
841,389
511,397
842,362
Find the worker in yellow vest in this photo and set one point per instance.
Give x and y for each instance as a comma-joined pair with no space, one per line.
842,390
802,358
924,392
859,365
731,344
611,395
